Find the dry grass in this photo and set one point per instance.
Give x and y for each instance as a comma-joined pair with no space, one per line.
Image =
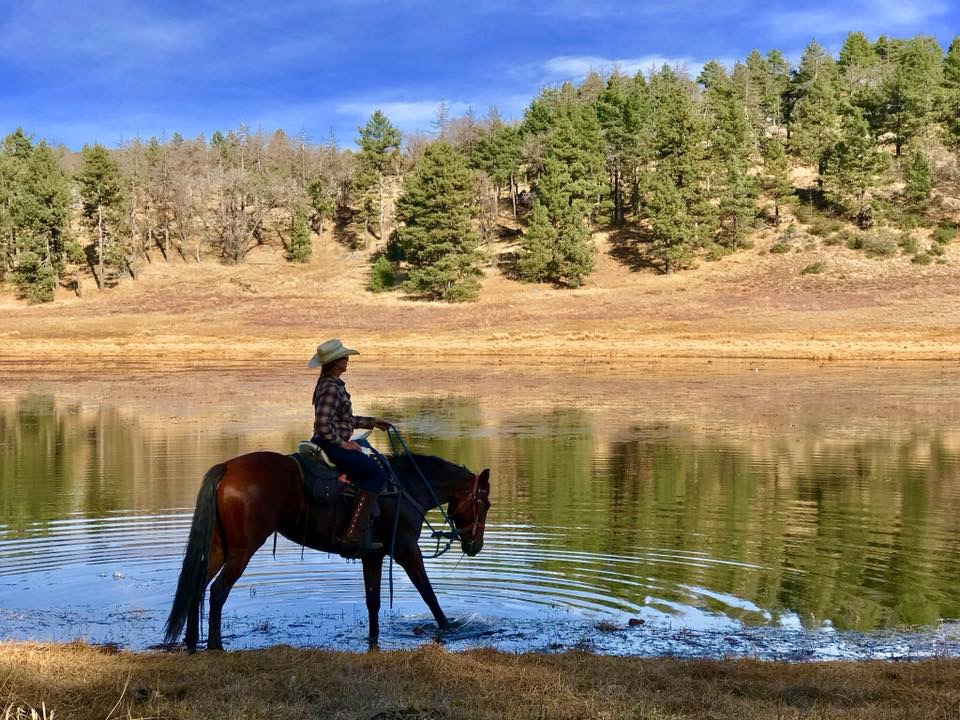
751,304
77,681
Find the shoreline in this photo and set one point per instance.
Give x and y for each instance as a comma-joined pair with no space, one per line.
81,681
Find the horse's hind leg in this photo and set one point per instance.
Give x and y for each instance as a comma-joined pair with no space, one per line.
214,564
233,568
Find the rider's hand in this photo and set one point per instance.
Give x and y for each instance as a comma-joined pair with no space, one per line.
351,445
381,424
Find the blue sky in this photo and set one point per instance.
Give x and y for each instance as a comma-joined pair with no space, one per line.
103,70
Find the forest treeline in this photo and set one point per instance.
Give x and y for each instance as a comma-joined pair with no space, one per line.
679,167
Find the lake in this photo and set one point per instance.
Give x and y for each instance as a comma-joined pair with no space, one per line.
781,510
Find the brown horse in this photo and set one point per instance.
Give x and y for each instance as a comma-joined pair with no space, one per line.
244,500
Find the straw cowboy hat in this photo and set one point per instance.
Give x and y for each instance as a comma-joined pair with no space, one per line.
328,352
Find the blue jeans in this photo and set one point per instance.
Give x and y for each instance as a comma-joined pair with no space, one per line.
362,470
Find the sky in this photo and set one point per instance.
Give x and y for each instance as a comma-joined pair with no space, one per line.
109,70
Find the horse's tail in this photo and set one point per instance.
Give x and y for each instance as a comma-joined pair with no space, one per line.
193,574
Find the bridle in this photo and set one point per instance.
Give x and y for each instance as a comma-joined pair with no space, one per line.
475,498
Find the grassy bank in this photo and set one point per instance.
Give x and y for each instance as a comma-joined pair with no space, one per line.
79,681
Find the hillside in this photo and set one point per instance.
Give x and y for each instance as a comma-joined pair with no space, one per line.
752,303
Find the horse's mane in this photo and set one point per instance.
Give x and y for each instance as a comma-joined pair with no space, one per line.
428,464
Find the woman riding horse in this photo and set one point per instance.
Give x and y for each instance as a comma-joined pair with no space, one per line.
333,423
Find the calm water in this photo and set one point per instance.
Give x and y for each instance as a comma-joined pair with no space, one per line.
714,543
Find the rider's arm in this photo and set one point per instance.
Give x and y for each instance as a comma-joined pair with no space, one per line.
364,422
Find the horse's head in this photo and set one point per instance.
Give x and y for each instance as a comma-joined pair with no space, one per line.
468,510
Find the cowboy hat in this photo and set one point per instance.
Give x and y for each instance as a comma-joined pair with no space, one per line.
329,351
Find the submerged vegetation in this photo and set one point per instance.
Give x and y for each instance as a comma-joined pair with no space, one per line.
862,143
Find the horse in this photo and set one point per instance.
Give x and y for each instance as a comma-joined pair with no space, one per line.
242,501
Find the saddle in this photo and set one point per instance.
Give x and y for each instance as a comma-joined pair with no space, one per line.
323,483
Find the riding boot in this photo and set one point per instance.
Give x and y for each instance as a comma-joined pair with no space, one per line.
352,539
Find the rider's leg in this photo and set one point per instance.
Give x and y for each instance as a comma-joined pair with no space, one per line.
369,478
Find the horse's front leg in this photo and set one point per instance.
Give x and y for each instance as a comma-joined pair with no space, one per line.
372,574
412,563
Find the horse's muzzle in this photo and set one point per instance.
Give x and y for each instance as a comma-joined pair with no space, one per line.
471,547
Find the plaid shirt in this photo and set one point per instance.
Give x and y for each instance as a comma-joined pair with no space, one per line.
333,418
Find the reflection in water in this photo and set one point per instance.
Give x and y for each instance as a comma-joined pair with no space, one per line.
657,522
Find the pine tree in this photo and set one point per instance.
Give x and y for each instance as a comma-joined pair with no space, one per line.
569,192
852,167
621,110
919,182
379,143
103,198
321,201
299,248
680,150
34,206
437,236
776,83
814,110
730,144
43,225
950,113
776,175
909,93
672,228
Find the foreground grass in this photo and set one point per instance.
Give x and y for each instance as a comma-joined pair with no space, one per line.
78,681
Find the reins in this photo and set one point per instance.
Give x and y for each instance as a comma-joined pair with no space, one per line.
395,439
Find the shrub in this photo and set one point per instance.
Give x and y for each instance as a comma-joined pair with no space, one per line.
717,252
922,259
853,240
879,243
804,213
813,269
945,232
907,243
822,227
382,276
839,238
780,247
935,249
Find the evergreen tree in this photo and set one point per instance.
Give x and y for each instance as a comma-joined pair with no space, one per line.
437,236
776,175
910,91
951,92
299,248
43,232
919,182
679,149
34,205
103,200
569,191
378,158
852,167
672,228
775,87
620,111
321,201
730,144
814,108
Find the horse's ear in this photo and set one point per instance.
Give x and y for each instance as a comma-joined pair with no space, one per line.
485,477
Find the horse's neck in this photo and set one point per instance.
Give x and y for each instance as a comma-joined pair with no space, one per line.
437,474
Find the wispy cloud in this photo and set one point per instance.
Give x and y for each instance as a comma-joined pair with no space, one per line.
576,67
892,17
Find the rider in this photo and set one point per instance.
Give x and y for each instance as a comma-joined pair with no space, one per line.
333,424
